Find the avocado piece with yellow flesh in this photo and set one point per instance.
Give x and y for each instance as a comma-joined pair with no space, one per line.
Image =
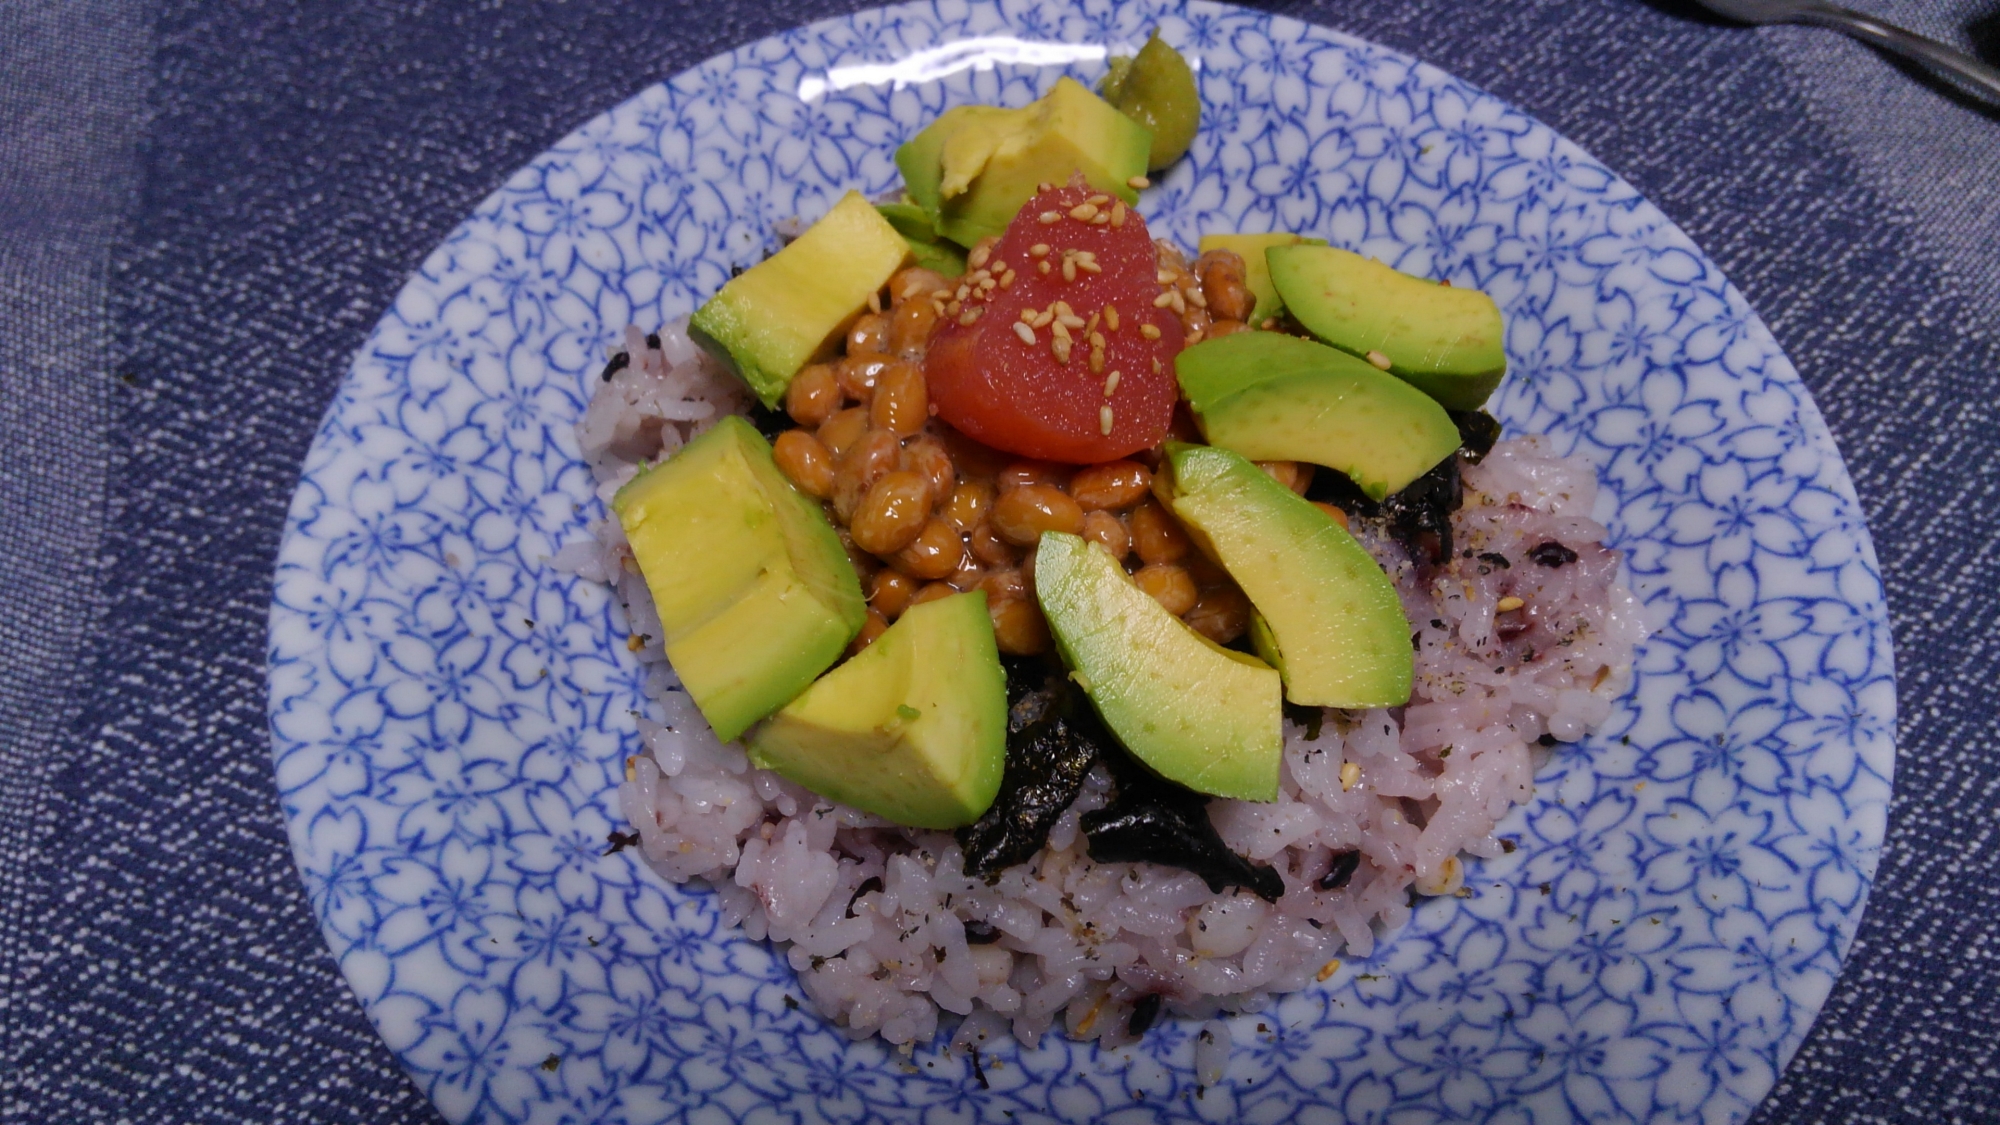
1156,88
793,307
1445,341
752,586
930,251
1327,617
1256,271
913,728
1273,397
975,166
1197,713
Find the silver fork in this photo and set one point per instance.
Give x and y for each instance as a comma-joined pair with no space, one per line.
1869,30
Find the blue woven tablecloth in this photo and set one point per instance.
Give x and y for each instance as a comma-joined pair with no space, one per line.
204,207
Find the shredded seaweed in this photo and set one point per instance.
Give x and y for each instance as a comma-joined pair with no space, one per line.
1053,738
1477,431
1144,1013
1344,866
1310,718
618,363
620,841
1153,820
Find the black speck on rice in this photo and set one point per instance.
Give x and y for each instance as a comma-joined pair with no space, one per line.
1082,942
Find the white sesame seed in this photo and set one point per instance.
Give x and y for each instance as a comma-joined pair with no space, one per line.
997,268
1111,318
1118,213
1043,318
1069,269
1149,331
1070,319
1039,250
1042,267
1096,360
1350,775
978,256
1061,308
964,291
1379,360
1156,365
1007,280
1050,217
1179,302
970,315
1138,183
1164,277
1098,200
1165,298
1194,337
1060,330
1508,604
1104,420
1027,316
1044,186
1096,338
1101,219
1083,212
1061,347
1088,265
1110,383
1196,297
1026,333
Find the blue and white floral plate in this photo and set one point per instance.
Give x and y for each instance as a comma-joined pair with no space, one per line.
450,714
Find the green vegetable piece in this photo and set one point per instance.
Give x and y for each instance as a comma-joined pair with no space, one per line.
1256,272
793,308
1445,341
930,251
913,728
752,586
1273,397
973,168
1196,712
1327,617
1157,89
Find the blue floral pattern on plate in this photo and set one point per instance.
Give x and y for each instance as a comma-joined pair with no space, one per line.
450,714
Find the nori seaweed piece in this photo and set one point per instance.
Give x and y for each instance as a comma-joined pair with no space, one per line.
1336,877
1477,431
1153,820
1310,718
768,422
981,933
1053,738
1420,515
1551,554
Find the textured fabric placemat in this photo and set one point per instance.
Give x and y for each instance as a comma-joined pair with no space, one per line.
204,207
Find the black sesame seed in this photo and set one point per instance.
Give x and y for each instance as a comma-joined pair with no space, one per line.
1552,554
981,933
1337,876
1144,1013
618,363
1497,559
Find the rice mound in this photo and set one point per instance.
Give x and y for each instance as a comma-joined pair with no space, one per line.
876,916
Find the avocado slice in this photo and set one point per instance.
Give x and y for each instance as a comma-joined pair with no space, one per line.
1197,713
793,307
930,251
1446,342
1273,397
1327,617
974,167
913,728
754,591
1256,271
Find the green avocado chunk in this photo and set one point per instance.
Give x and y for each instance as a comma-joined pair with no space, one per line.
912,729
1447,342
1327,617
1156,88
931,252
792,308
974,167
1273,397
754,591
1196,712
1256,271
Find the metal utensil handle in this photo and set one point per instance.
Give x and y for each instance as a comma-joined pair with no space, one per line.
1889,37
